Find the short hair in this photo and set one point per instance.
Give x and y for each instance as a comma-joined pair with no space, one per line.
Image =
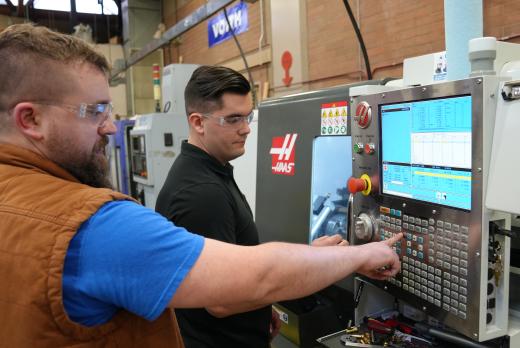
206,86
31,59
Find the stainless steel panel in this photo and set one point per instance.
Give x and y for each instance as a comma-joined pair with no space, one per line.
436,252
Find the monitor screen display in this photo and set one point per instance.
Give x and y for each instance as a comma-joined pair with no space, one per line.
426,150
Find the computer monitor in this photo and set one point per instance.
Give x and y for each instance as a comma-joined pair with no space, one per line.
426,150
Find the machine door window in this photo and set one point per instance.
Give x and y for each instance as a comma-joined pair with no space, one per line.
331,167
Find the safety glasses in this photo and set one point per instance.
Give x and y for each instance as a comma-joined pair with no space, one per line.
232,121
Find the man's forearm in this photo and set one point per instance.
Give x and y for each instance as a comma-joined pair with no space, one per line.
227,274
226,311
295,272
300,270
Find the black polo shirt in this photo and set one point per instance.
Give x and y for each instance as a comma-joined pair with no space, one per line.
201,195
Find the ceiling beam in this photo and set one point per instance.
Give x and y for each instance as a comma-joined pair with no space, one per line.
10,5
199,15
20,8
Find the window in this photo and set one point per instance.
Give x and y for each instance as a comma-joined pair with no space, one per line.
82,6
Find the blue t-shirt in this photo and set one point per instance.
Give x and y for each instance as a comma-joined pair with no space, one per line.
125,256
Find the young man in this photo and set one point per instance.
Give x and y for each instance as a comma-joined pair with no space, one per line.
200,194
82,265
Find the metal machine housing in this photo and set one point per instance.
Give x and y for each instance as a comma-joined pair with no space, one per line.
422,280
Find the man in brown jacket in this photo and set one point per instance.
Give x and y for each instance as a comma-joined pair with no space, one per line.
82,265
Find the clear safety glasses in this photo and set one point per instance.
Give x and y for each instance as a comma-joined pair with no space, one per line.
98,113
235,121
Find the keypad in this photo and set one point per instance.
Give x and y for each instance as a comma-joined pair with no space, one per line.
434,258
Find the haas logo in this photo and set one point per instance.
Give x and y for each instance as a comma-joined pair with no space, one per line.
282,154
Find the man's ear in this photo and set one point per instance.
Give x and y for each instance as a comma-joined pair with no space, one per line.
28,119
196,122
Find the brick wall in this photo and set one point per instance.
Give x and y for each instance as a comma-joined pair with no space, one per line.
193,45
392,30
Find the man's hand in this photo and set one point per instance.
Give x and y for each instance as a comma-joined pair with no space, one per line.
329,241
275,324
381,262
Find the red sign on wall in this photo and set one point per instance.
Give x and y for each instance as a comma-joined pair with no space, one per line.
286,65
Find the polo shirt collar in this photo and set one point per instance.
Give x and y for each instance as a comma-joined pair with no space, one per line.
196,152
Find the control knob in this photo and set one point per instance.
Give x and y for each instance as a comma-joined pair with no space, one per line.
364,227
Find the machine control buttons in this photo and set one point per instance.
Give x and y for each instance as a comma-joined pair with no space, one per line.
364,227
363,115
435,261
370,148
358,148
384,210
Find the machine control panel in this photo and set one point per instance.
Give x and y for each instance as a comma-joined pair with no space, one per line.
421,174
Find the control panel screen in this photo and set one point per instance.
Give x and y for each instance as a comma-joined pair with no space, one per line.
426,150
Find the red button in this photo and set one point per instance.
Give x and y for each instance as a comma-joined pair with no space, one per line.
369,148
363,114
356,185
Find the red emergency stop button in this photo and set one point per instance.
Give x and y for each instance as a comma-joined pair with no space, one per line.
362,184
356,185
363,114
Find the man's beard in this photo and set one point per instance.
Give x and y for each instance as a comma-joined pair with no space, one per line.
92,169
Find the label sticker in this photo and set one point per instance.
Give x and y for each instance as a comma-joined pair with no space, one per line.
334,118
440,66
